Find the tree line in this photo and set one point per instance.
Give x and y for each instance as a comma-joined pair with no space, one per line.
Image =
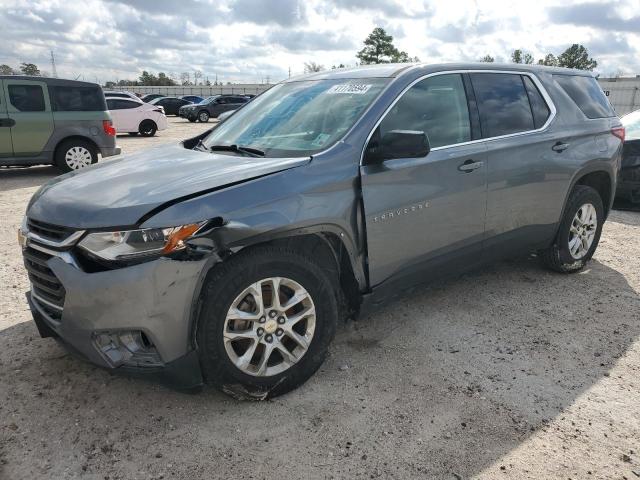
576,56
24,69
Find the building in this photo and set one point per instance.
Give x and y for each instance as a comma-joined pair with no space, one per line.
623,93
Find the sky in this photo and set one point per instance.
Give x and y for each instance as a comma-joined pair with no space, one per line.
255,41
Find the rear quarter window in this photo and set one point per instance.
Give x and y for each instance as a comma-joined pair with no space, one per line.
586,94
77,99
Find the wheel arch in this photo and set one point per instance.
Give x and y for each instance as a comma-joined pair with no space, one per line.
73,137
327,243
600,178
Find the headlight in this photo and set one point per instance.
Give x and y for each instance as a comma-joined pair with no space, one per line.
133,244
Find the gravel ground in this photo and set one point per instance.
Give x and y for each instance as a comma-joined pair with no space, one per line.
512,372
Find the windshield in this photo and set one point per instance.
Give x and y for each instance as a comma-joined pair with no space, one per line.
208,100
631,124
298,118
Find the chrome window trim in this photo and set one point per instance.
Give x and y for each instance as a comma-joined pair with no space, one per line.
534,78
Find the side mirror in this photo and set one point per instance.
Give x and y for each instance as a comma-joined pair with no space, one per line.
404,144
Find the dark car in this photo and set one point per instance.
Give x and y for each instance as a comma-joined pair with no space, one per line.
192,98
231,257
212,107
629,177
151,96
171,105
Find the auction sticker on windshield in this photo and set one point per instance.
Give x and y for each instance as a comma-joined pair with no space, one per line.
356,88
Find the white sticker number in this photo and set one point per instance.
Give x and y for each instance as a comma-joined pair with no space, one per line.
358,89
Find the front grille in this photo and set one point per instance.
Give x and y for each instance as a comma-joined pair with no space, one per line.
47,289
48,231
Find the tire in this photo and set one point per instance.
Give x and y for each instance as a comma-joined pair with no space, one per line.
222,290
75,154
203,116
192,120
148,128
559,256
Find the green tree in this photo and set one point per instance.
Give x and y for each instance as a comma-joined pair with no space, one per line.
6,70
576,56
379,48
487,59
549,60
519,56
164,80
30,69
528,58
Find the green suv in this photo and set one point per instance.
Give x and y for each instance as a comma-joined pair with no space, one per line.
53,121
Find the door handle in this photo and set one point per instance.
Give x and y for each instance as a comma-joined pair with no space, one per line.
7,122
469,166
560,147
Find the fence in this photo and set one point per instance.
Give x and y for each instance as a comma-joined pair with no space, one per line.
200,90
623,93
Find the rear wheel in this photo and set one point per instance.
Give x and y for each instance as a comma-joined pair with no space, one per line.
579,232
75,154
267,319
148,128
203,116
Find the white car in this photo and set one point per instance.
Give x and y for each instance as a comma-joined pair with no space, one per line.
121,94
134,117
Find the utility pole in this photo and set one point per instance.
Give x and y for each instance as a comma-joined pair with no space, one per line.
289,72
53,66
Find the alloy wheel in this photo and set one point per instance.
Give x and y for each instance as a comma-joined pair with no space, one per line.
583,231
77,157
269,326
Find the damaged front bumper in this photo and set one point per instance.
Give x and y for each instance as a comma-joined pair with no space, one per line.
135,320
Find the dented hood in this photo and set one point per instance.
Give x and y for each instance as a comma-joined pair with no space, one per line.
120,192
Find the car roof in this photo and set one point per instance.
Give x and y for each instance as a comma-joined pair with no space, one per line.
390,70
60,82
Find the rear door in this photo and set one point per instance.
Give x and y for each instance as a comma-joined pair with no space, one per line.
6,148
29,107
524,155
424,212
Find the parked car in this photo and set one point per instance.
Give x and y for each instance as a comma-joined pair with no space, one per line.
150,96
212,107
133,117
116,94
192,98
629,177
229,258
53,121
170,104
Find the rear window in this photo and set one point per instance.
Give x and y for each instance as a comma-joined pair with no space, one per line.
503,104
26,98
77,99
587,95
539,107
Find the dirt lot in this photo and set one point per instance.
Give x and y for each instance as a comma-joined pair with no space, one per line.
512,372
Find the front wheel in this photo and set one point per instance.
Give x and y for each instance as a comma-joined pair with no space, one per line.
579,232
267,318
203,116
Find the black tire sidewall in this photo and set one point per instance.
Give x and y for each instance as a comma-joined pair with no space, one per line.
148,123
64,147
220,291
581,196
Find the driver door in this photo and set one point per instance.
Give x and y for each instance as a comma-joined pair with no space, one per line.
423,213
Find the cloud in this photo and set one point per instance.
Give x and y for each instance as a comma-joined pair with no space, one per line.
600,15
283,12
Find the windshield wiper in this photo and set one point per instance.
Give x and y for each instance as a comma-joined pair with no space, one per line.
254,152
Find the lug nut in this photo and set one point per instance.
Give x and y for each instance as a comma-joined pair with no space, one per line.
260,331
279,332
269,338
272,313
263,319
280,320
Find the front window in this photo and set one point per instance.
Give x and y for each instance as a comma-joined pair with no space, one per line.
298,118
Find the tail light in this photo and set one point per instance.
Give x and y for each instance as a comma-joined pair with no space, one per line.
107,126
618,132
